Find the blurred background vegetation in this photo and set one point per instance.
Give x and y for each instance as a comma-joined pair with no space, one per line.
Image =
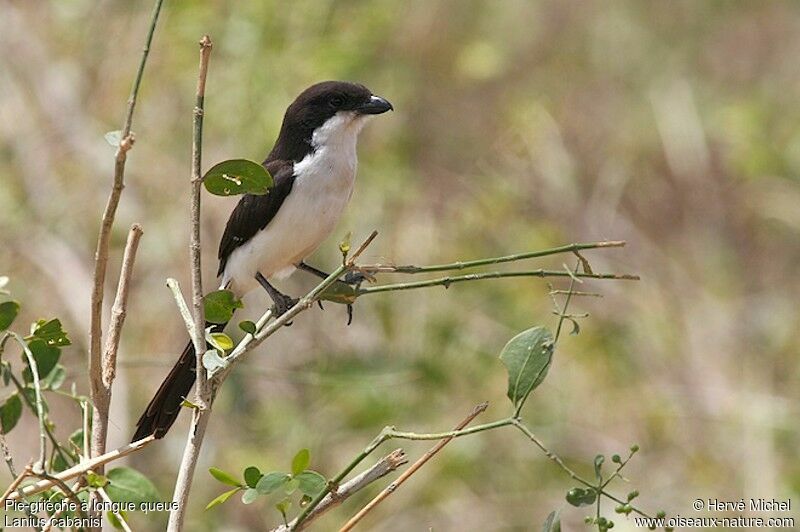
518,125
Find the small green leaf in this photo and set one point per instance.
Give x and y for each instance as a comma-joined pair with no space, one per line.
220,341
527,358
581,497
283,507
128,485
251,476
95,481
8,313
116,523
188,404
219,306
59,464
248,326
55,379
46,357
10,412
598,464
249,495
291,486
113,137
311,483
224,477
271,482
213,362
553,522
237,176
76,438
344,245
300,461
51,332
221,498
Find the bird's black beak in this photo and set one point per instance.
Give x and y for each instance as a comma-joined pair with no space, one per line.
375,106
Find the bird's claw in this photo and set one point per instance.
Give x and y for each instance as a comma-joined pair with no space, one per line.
349,314
282,306
354,278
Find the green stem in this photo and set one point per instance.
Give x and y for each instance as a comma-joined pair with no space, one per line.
447,281
140,71
38,394
563,314
460,265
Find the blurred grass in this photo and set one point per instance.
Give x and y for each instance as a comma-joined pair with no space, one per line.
519,125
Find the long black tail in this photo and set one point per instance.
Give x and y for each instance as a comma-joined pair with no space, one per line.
165,406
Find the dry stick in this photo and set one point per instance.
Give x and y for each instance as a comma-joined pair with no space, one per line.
80,469
102,395
104,237
411,470
385,465
203,391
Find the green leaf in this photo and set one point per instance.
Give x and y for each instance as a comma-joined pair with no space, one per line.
271,482
251,476
128,485
213,362
598,464
221,498
224,477
581,497
10,412
284,506
553,522
237,176
527,358
59,464
55,379
248,326
51,332
249,495
46,357
113,137
291,486
96,481
300,461
219,306
76,438
8,313
116,523
311,483
219,341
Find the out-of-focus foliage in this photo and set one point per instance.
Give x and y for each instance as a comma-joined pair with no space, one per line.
518,125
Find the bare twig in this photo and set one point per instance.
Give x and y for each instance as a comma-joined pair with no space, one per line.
81,468
385,465
120,518
102,394
411,470
183,308
17,478
104,236
461,265
203,390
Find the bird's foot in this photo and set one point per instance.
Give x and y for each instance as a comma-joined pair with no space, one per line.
282,304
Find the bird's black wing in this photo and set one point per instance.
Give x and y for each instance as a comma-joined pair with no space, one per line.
253,213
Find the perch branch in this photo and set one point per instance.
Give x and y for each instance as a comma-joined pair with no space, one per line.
203,391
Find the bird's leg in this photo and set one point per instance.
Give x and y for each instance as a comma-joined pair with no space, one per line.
352,278
282,302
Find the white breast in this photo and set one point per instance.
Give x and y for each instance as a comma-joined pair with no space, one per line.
322,188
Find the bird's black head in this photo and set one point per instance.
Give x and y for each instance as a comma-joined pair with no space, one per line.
348,103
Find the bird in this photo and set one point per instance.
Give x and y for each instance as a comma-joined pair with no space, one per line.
267,237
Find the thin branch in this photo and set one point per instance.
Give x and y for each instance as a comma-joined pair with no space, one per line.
391,488
183,308
383,467
204,394
108,364
461,265
120,518
38,396
81,469
104,236
66,490
447,281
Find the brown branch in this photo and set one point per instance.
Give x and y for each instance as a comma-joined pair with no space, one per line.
411,470
108,362
204,394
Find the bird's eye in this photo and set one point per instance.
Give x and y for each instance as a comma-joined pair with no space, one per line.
337,101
